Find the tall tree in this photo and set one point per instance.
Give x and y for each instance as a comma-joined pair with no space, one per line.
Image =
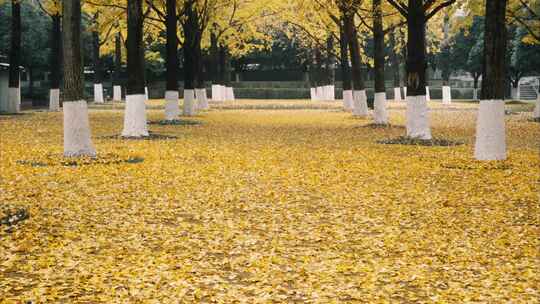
417,13
77,140
171,95
192,40
348,11
135,112
14,91
490,134
96,60
345,68
117,84
55,61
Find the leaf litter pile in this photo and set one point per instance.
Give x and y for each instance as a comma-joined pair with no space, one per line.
269,206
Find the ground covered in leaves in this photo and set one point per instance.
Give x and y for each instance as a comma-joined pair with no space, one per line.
281,202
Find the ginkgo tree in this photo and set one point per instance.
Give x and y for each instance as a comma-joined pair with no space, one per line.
53,8
14,85
77,141
417,13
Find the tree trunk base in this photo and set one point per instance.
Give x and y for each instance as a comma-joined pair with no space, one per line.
536,113
172,109
418,117
360,107
216,90
202,99
135,116
77,141
98,93
380,114
397,94
490,131
446,95
189,103
14,100
348,100
428,97
229,93
54,100
117,93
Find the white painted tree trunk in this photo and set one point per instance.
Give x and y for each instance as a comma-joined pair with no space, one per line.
216,96
230,93
428,97
172,109
348,100
475,94
98,93
54,100
490,131
77,141
117,93
146,93
397,94
446,95
536,113
515,93
417,117
223,93
135,116
331,93
189,102
202,99
379,109
14,100
404,93
360,107
313,94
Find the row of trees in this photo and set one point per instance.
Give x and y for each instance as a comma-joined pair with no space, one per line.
235,27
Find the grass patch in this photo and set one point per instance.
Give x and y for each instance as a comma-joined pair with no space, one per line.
59,160
175,122
409,141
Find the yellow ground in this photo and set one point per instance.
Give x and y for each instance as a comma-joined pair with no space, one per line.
269,206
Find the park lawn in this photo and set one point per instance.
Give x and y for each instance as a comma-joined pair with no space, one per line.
296,204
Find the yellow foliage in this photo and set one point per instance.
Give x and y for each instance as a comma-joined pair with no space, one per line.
280,205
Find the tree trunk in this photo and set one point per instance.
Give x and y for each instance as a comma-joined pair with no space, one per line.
172,47
394,61
98,73
117,85
117,59
215,68
318,67
135,51
330,77
494,50
416,49
445,52
14,90
378,39
490,134
380,115
135,112
14,51
354,49
172,109
73,69
345,69
77,140
56,44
